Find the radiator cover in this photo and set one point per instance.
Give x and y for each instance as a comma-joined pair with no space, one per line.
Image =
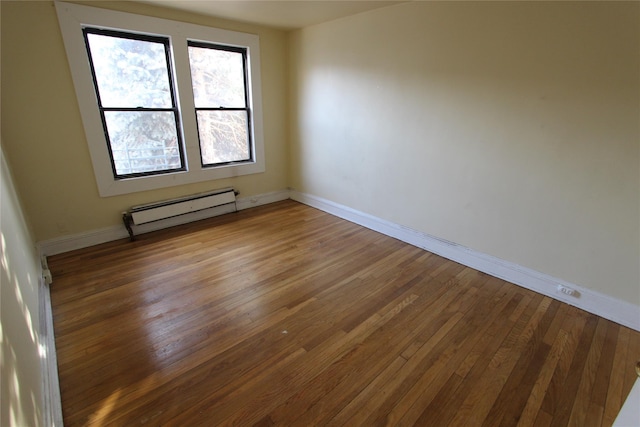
150,212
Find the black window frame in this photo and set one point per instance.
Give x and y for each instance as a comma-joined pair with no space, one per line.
247,109
166,42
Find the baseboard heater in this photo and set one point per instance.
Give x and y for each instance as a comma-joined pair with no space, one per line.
157,211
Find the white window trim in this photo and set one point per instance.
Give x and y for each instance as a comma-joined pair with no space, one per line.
73,17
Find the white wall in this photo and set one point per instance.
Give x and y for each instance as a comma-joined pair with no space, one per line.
511,128
21,374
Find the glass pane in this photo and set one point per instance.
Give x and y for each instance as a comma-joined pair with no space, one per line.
144,141
224,136
218,78
130,73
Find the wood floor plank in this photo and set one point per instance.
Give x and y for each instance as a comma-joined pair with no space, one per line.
411,408
633,356
605,367
616,380
594,415
531,411
438,329
421,363
473,368
479,401
284,315
543,419
585,389
513,396
567,397
573,324
324,395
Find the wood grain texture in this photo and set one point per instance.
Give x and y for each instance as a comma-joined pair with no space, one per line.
285,315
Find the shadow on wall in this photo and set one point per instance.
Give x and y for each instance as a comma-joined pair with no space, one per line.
19,360
22,353
505,127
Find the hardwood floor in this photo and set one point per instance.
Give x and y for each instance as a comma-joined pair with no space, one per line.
285,315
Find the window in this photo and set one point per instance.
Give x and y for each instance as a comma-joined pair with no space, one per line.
218,75
134,90
163,103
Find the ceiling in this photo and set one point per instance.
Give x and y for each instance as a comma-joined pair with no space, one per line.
288,15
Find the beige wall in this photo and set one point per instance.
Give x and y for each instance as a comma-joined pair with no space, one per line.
43,134
511,128
20,369
508,127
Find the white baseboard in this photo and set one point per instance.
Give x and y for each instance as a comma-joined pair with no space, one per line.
262,199
52,404
629,414
618,311
72,242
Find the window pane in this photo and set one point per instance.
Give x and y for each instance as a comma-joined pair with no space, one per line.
130,73
223,136
143,141
218,78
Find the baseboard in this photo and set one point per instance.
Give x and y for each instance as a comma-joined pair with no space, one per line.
629,414
95,237
618,311
51,404
261,199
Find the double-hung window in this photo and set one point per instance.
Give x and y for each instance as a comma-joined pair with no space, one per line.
137,103
222,110
163,103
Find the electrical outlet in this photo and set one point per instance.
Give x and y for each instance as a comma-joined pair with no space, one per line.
567,291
